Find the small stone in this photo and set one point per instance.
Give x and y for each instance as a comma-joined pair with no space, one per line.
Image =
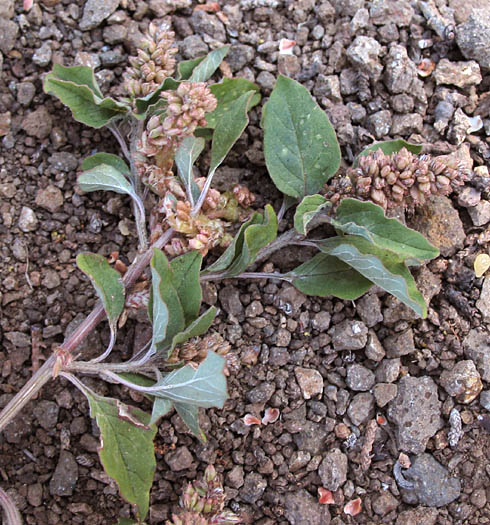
253,487
288,65
360,20
418,516
234,478
402,103
18,339
51,279
298,460
374,349
50,198
65,475
359,378
428,283
461,126
95,12
25,93
380,123
469,197
480,214
364,53
193,46
46,413
42,55
384,503
485,399
388,370
229,297
460,74
328,86
115,34
38,123
382,12
349,335
261,393
310,381
161,8
399,344
473,36
361,408
333,469
310,437
27,220
384,393
206,23
369,309
239,56
290,300
476,347
321,321
35,494
400,71
416,412
301,508
7,9
179,459
462,381
407,124
9,31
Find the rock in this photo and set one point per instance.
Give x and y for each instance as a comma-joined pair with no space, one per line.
384,393
229,297
300,508
485,400
193,46
432,484
239,56
333,469
38,123
477,348
234,478
206,23
360,20
462,381
483,303
443,113
399,344
359,378
473,36
27,220
253,487
416,411
50,198
115,33
461,126
5,125
95,12
51,279
288,65
382,12
460,74
298,460
311,437
261,393
428,283
407,124
364,53
7,9
35,494
361,408
161,8
402,103
400,71
310,382
480,214
388,370
321,321
63,161
8,35
418,516
46,413
65,475
18,339
439,222
384,503
290,300
469,197
374,349
179,459
328,86
380,123
368,307
42,55
25,93
349,335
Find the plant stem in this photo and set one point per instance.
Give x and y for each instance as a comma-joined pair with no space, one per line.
11,514
45,373
120,139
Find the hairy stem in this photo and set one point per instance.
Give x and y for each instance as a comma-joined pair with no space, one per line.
11,514
120,139
137,128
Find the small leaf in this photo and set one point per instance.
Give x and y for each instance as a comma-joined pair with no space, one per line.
198,327
187,153
127,521
300,145
186,67
106,158
324,275
226,92
185,279
368,220
481,264
145,105
203,387
389,147
107,283
80,75
205,69
190,416
161,407
308,208
126,450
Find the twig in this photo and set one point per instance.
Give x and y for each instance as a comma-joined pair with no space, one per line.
365,454
12,515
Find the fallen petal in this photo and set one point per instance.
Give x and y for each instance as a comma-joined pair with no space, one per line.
250,420
270,415
325,497
354,507
286,46
28,4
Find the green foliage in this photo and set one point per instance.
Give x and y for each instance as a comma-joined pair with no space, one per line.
109,160
185,279
185,158
186,67
307,210
205,69
300,145
146,105
389,147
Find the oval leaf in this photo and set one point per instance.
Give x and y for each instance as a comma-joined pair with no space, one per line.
205,69
185,279
300,145
190,416
307,209
389,147
187,153
108,159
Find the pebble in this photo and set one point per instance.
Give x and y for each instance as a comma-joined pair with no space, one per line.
298,460
433,485
229,297
349,335
480,214
384,393
310,437
179,459
301,508
416,411
418,516
462,381
50,198
161,8
27,220
35,494
18,339
7,9
203,22
261,393
25,93
380,123
239,56
400,71
310,382
65,475
473,36
399,344
483,303
51,279
359,378
460,74
328,86
368,307
384,503
333,469
407,124
382,12
461,126
253,487
42,55
9,31
374,349
476,347
321,321
361,408
364,53
95,12
469,197
443,113
46,413
38,123
290,300
360,20
388,370
485,399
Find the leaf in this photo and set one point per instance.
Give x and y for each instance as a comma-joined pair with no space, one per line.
106,158
126,450
107,283
161,407
389,147
185,279
204,387
198,327
187,153
308,208
324,275
380,266
144,105
253,235
186,67
226,92
82,96
127,521
368,220
300,145
158,312
190,416
205,69
481,264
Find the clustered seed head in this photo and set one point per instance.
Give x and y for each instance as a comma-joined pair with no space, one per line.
196,349
399,179
153,64
203,502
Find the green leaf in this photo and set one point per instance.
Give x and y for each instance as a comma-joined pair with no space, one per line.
190,416
389,147
185,279
187,153
164,293
368,220
107,283
380,266
145,105
324,275
300,145
226,92
205,69
126,451
186,67
198,327
161,407
308,208
203,387
106,158
255,234
78,90
127,521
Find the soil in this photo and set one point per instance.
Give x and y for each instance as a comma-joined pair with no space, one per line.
282,340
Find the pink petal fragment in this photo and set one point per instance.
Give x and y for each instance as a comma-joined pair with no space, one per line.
325,497
286,46
28,4
250,420
270,415
354,507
